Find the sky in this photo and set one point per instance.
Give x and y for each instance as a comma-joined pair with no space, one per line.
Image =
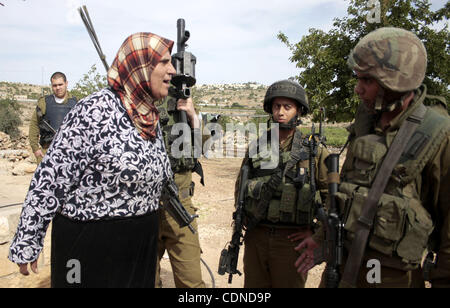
235,41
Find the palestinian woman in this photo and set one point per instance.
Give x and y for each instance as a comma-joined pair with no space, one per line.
102,177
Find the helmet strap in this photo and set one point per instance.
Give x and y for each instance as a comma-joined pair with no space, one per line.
398,103
379,100
293,123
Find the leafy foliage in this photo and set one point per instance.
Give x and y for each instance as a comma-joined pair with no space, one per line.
10,117
89,83
322,56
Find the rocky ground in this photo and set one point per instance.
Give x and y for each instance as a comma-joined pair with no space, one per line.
215,203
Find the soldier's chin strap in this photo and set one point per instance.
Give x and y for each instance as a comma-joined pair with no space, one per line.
382,106
293,123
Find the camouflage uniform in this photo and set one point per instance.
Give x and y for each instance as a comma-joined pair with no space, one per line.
415,202
182,246
269,255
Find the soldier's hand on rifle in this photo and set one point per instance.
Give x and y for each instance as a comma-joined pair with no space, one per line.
306,260
188,106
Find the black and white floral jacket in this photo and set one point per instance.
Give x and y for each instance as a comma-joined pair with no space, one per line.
97,167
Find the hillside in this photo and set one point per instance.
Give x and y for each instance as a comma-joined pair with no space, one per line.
242,96
21,91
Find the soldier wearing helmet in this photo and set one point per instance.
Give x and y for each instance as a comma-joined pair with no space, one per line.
279,202
412,216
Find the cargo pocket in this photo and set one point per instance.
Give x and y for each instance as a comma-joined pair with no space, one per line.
273,213
304,206
254,188
287,203
388,224
368,152
417,230
352,212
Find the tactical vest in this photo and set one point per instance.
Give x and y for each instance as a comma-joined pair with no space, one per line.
292,201
167,118
54,116
402,225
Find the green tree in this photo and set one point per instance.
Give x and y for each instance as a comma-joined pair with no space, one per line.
322,56
10,117
89,83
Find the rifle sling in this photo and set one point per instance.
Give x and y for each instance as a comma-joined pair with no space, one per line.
369,209
198,168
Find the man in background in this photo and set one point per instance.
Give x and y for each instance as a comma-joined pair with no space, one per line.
49,114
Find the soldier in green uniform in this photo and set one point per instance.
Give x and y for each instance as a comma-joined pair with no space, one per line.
49,114
279,205
182,246
412,214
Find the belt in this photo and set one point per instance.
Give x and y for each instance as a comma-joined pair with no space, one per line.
280,230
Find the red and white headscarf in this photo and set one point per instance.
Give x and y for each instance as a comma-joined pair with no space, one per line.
130,75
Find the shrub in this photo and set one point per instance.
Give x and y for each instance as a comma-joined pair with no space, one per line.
9,118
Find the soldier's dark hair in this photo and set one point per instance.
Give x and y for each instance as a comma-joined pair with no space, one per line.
58,75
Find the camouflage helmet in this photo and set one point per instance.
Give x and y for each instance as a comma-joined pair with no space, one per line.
395,57
290,89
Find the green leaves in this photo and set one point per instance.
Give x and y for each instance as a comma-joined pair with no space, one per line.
322,56
90,83
10,117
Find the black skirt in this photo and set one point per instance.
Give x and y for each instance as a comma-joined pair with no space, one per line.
117,253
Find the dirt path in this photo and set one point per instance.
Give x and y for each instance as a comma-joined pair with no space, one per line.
215,202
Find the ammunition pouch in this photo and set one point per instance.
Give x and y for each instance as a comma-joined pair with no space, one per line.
401,226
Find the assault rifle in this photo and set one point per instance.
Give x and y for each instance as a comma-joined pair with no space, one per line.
332,251
229,257
41,119
175,208
184,63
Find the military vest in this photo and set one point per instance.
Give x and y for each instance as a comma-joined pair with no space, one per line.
402,225
54,116
292,201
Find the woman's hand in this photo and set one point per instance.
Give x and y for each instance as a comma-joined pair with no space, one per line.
188,106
